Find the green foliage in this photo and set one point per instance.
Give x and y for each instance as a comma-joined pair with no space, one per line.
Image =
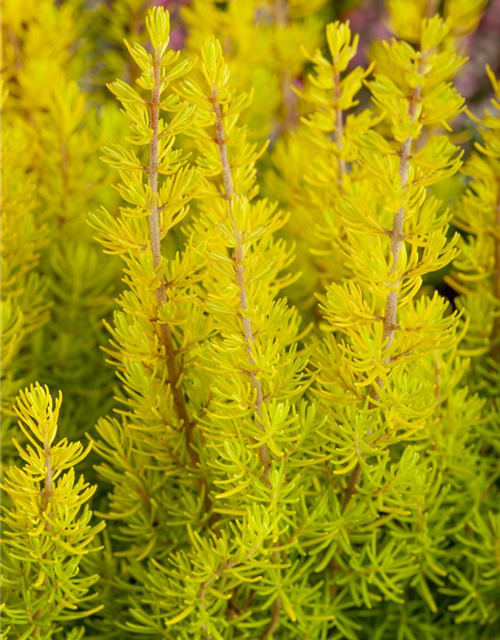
61,135
46,526
477,281
477,278
24,307
155,322
294,434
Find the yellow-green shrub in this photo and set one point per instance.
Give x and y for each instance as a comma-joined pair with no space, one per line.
323,470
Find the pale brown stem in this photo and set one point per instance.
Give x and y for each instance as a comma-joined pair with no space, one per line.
397,236
224,567
239,270
248,335
155,245
391,302
432,8
341,171
354,479
280,12
339,125
275,616
47,490
46,495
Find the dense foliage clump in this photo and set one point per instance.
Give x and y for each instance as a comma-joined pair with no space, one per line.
265,274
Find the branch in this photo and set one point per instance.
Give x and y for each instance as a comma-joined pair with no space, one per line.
46,495
281,13
239,269
391,302
155,245
339,126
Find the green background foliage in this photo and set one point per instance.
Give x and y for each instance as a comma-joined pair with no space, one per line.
250,322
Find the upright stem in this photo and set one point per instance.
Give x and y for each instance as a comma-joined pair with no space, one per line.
248,335
46,495
155,244
391,302
432,7
239,269
397,233
280,12
339,125
47,490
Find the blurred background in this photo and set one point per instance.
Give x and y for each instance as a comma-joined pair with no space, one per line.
369,18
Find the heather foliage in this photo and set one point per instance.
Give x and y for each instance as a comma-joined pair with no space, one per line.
260,276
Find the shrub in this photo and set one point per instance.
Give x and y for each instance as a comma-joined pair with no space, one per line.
301,441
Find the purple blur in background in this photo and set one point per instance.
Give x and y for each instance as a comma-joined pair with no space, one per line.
369,19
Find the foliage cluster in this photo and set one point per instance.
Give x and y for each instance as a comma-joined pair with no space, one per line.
275,425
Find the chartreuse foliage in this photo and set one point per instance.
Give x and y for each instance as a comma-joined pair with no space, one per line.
462,17
240,412
323,149
390,376
47,108
24,308
46,527
477,275
262,42
155,334
476,279
323,471
307,162
256,427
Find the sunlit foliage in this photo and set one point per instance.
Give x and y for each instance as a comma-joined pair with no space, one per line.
265,273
